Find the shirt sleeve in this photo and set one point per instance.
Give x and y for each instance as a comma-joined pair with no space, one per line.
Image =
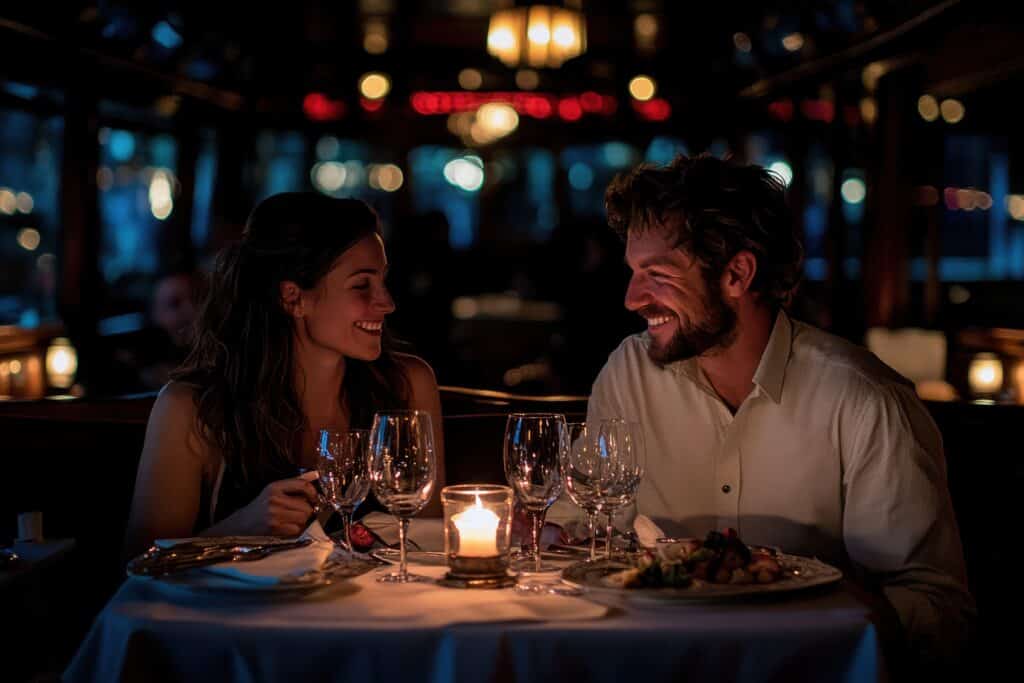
898,523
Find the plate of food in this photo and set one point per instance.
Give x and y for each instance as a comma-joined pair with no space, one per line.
718,567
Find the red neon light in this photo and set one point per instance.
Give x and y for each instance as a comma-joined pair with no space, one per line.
657,109
781,109
536,105
319,107
591,102
818,110
371,105
569,109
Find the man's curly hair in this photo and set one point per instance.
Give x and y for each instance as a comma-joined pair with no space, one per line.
717,209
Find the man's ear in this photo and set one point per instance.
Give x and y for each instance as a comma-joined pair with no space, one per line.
291,299
739,274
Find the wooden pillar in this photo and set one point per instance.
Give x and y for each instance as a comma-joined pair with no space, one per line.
832,317
890,202
80,282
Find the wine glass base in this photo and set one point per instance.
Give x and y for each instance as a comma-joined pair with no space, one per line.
526,568
396,577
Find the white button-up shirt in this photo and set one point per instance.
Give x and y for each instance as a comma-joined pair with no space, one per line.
830,455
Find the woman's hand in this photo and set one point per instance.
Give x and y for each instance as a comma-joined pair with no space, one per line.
283,508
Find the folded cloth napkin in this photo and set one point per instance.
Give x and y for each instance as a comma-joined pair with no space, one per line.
647,532
276,567
426,533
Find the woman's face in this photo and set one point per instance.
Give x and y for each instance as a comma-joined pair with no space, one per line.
345,311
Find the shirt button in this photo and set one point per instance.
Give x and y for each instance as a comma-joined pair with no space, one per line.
726,488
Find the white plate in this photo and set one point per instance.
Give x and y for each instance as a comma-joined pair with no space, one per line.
799,573
333,572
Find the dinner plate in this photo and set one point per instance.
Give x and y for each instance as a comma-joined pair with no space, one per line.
798,573
333,572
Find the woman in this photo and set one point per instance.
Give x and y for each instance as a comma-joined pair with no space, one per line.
291,339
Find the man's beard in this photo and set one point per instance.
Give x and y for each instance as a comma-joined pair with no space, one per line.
717,329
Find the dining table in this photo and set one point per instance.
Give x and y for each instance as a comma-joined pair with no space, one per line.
357,628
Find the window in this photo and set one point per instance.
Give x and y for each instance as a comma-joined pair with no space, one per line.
30,157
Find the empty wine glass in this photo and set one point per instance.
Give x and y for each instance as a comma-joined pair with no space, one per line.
402,471
535,447
581,474
620,448
342,461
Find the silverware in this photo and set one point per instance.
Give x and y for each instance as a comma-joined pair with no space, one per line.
163,561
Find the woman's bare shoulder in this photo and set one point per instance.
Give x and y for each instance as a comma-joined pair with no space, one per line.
417,370
175,415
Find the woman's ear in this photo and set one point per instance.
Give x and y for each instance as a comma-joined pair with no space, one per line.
291,299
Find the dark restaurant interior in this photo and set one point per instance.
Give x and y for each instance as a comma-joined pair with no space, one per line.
136,138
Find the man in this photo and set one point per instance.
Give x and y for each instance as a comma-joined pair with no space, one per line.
792,436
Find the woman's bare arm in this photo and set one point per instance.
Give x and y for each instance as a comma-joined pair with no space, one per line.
169,481
425,396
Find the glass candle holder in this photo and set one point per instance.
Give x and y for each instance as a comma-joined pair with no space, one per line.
477,535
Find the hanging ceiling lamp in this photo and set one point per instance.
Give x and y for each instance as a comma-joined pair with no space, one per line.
537,35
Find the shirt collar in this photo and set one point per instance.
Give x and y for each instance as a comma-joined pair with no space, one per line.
771,371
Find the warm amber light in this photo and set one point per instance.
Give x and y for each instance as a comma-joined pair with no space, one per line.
28,239
537,36
928,108
470,79
61,363
374,86
642,88
527,79
952,111
985,374
793,42
375,36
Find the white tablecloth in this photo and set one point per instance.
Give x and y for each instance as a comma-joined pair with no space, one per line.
365,631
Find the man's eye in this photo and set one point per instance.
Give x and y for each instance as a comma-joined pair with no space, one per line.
365,284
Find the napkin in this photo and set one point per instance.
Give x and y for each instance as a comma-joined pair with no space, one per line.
276,567
426,533
647,532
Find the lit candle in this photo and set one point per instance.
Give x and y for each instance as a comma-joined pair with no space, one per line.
478,532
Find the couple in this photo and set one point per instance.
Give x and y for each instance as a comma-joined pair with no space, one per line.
752,420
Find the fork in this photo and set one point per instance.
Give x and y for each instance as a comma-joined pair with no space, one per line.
161,563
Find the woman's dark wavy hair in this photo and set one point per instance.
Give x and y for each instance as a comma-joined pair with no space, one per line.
718,208
242,363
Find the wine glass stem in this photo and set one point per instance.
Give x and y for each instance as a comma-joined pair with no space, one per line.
538,525
346,524
592,528
608,538
403,529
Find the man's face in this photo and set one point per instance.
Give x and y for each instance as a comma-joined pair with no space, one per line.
685,317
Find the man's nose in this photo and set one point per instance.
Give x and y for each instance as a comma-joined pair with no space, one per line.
636,295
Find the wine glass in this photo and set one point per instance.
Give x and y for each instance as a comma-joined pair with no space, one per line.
581,472
402,471
344,473
535,447
620,448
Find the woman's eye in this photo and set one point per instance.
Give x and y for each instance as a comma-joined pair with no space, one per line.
365,284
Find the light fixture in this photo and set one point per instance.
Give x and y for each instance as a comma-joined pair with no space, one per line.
61,363
537,35
985,374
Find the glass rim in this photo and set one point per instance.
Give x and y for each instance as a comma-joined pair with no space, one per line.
401,412
360,430
537,415
478,489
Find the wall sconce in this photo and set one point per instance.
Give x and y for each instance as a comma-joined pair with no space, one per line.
985,374
537,35
61,363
